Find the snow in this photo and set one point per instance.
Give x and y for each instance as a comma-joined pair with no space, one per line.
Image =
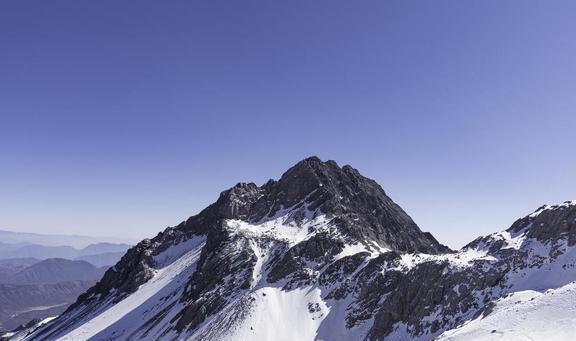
46,320
524,315
513,241
350,250
540,300
333,327
549,273
459,260
131,312
261,257
282,227
282,316
174,252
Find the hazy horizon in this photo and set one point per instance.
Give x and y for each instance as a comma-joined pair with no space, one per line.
119,120
93,238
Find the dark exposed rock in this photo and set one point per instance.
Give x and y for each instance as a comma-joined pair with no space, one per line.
359,205
550,223
224,270
320,248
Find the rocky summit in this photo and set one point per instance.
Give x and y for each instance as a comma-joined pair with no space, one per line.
324,254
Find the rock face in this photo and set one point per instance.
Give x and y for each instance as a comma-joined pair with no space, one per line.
360,207
323,253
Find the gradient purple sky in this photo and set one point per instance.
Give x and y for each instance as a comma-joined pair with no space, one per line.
120,118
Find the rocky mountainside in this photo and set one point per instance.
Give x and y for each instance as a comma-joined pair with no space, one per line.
321,254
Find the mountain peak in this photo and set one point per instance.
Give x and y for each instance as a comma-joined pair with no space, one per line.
357,205
310,172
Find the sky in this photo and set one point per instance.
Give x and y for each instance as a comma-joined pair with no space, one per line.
120,118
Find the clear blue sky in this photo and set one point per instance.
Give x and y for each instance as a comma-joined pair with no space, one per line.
123,117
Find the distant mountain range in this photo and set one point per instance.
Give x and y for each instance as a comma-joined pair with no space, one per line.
30,288
102,259
26,250
13,265
54,270
39,278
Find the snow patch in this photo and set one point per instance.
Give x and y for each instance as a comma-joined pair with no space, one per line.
460,260
352,249
281,228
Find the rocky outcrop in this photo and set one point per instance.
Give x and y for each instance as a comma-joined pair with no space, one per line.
550,223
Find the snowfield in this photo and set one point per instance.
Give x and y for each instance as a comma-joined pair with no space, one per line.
282,316
524,315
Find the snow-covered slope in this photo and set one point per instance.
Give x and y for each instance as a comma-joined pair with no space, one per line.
24,331
524,315
120,319
321,254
